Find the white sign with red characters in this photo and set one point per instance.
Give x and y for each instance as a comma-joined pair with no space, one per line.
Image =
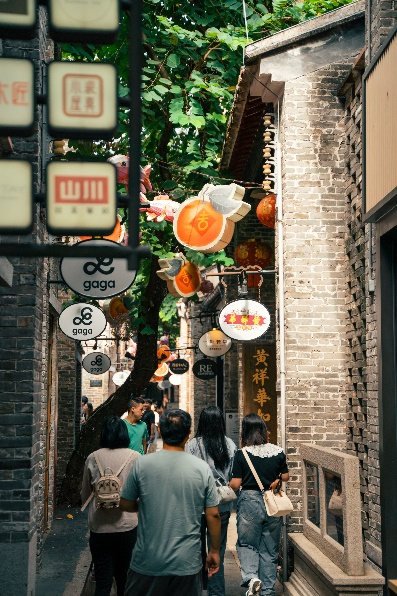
82,98
81,198
16,96
244,320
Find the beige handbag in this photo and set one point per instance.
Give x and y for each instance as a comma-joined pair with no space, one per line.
277,504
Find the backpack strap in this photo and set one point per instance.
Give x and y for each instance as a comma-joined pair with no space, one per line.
254,472
130,456
100,473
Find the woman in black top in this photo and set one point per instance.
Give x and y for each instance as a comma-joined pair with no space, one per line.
258,533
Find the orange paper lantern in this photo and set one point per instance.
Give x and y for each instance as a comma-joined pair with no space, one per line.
254,252
163,353
117,235
265,211
186,283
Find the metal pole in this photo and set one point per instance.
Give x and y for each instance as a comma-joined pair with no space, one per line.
281,322
135,71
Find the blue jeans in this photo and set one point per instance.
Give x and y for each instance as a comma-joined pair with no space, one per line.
258,541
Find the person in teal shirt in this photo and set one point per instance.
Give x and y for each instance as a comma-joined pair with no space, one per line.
137,430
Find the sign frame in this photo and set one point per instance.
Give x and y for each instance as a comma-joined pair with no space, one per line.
95,242
207,362
25,130
20,30
74,230
79,132
79,337
179,361
227,331
16,229
89,368
79,33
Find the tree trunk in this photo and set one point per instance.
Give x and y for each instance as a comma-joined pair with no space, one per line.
116,404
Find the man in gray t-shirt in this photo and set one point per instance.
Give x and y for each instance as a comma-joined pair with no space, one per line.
171,489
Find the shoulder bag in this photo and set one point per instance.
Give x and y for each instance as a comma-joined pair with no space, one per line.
277,504
225,493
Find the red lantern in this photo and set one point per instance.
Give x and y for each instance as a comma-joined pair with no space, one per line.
254,252
265,211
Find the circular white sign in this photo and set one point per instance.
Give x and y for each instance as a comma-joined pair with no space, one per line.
96,363
120,377
82,321
214,343
175,379
100,277
244,320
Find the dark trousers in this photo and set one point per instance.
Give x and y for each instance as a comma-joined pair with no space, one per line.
111,553
163,585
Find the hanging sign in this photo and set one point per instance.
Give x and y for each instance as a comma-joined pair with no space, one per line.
182,277
18,18
244,320
175,379
16,197
82,100
214,343
205,369
81,320
96,363
81,198
179,366
99,278
120,377
162,385
16,96
89,21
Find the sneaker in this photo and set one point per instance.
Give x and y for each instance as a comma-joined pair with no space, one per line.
254,587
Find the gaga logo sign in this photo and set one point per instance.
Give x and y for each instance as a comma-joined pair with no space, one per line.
82,321
96,363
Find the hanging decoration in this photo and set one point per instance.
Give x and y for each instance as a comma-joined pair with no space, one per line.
163,353
266,211
254,252
114,309
175,379
161,371
206,286
118,235
182,277
214,343
199,224
269,152
120,377
244,319
160,209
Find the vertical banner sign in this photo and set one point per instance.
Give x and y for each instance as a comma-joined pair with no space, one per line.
259,385
17,17
81,198
82,100
85,20
16,197
16,96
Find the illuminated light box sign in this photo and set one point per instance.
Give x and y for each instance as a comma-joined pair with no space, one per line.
179,366
16,197
214,343
82,100
18,18
244,320
205,369
100,277
16,96
82,321
96,363
81,198
84,20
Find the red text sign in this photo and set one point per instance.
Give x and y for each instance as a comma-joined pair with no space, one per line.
81,189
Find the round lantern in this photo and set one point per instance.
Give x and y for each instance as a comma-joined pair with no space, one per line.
163,353
162,370
265,211
253,252
175,379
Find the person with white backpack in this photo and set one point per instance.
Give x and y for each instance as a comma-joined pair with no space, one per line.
112,531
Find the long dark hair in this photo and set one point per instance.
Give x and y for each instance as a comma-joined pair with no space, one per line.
254,431
211,428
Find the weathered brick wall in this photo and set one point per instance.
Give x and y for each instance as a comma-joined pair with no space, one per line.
314,249
381,17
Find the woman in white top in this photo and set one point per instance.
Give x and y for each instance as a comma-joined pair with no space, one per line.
112,532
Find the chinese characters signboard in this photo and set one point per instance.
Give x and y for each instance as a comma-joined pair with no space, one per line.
99,278
259,385
84,20
17,17
244,320
16,192
16,96
214,343
81,198
82,99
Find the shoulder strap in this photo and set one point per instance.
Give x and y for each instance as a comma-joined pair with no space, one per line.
251,465
98,462
200,448
130,456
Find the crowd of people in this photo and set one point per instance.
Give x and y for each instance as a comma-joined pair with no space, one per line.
178,545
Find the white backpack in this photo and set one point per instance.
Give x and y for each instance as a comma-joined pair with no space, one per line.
107,489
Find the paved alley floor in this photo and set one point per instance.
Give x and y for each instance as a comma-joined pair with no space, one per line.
66,558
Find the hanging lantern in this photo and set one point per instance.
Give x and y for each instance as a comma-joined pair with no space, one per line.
265,211
163,353
254,252
206,286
